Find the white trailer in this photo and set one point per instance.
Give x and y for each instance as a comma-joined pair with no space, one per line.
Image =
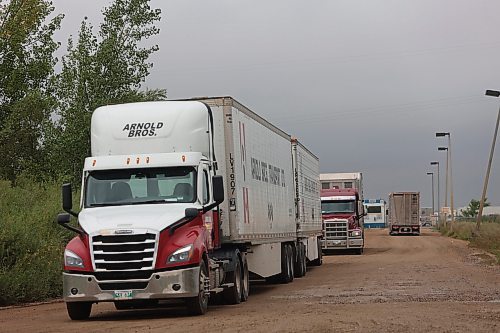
342,180
186,199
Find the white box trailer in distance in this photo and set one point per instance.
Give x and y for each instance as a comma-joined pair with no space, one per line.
183,199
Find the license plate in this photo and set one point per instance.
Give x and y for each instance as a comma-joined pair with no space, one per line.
123,294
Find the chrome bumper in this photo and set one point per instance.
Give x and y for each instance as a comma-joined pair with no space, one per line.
83,288
350,243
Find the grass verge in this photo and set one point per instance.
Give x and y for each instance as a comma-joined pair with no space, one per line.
487,238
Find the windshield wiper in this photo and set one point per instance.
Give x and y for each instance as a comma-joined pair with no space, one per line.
147,202
104,204
127,203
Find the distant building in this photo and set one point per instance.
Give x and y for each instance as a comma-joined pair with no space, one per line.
491,210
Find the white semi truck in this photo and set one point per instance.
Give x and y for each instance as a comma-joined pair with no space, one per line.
376,213
186,199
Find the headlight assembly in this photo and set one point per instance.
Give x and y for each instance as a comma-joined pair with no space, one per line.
355,233
181,255
72,260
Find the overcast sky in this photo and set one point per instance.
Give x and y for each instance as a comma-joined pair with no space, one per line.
363,84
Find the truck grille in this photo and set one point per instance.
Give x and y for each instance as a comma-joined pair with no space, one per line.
124,252
336,229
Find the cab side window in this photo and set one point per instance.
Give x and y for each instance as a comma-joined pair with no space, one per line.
205,193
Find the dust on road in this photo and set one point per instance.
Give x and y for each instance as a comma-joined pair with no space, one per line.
416,284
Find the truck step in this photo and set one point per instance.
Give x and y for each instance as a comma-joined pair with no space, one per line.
219,263
227,285
216,290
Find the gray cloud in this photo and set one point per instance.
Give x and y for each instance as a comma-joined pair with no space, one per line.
364,84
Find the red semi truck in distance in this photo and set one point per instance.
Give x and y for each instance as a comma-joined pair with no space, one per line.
183,200
342,211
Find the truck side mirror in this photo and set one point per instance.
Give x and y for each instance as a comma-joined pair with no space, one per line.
218,189
191,213
63,218
67,197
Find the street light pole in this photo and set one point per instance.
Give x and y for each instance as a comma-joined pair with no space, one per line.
439,197
432,180
446,184
451,182
493,93
441,134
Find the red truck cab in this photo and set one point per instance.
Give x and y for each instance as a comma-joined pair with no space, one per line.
343,214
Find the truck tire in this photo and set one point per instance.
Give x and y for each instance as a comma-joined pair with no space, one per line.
359,251
79,310
300,263
232,295
319,260
245,278
286,264
291,265
198,305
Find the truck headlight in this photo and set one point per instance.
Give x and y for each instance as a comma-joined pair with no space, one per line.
71,259
355,233
181,255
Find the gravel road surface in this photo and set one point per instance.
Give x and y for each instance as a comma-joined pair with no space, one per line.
400,284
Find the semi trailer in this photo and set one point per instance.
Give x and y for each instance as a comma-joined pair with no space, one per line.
185,200
404,211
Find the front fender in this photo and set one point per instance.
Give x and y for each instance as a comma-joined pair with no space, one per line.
79,245
193,232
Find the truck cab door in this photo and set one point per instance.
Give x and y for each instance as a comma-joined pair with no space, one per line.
205,198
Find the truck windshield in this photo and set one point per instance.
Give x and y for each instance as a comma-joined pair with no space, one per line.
337,206
374,209
140,186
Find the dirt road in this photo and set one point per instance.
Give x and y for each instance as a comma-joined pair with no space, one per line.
420,284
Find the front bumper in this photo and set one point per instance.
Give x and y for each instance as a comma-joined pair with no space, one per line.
83,288
338,244
399,230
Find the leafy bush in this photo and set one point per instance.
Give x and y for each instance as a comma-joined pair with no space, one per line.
31,242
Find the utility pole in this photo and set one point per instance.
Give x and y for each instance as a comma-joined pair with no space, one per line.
486,178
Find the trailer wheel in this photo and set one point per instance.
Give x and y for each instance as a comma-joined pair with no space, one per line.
300,264
291,264
319,260
286,274
198,305
79,310
304,260
245,281
232,295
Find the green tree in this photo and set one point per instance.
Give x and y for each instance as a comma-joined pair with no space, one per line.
473,208
26,68
102,69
